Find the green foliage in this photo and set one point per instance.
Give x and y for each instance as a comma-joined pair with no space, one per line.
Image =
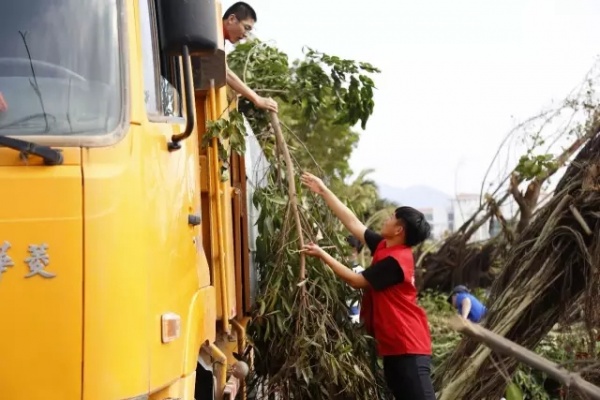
513,392
535,166
528,384
362,194
353,101
563,347
317,82
435,303
231,136
306,346
320,97
323,140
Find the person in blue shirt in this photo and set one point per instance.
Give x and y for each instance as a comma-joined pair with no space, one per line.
468,306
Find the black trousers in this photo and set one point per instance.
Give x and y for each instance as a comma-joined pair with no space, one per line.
409,377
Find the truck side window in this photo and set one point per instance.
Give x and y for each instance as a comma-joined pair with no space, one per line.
161,73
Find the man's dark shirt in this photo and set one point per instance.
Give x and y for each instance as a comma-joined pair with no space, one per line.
384,273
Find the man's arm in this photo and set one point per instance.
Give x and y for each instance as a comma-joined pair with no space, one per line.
466,307
347,217
356,280
240,87
344,214
379,276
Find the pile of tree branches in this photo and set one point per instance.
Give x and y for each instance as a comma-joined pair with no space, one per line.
305,345
555,263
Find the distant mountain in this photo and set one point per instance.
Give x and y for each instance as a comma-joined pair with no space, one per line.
415,196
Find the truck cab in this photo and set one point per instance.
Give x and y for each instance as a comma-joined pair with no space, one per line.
125,268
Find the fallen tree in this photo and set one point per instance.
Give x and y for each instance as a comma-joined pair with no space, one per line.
503,346
458,261
555,262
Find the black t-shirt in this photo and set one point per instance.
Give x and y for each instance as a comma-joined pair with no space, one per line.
385,272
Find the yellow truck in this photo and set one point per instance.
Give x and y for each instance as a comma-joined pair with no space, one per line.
125,269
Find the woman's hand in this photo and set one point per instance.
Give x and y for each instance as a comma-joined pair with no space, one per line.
314,250
315,184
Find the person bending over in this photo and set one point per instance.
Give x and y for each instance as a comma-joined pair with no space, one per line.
468,306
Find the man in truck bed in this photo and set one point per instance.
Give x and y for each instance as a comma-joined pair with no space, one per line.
238,21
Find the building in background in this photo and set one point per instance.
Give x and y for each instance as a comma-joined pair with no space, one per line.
447,214
464,205
435,217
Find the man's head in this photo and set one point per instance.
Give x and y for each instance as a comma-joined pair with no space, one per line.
455,292
407,226
238,21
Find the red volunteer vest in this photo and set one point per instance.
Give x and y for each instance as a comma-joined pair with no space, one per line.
392,315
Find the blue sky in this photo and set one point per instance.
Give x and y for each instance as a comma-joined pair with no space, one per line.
456,75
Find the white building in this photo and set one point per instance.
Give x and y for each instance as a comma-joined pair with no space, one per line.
437,219
464,205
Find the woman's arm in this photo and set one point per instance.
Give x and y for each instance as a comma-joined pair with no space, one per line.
347,217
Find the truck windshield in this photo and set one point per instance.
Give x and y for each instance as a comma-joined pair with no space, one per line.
59,67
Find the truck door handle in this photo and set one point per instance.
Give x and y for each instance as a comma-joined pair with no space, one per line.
194,219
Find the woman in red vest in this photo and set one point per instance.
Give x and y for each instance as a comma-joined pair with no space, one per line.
389,308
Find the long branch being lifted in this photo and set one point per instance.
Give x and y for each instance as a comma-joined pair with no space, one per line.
292,193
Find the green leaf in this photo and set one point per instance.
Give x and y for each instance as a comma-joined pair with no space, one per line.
513,392
278,200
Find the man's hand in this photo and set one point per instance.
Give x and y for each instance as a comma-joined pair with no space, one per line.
3,105
314,250
240,87
313,183
267,103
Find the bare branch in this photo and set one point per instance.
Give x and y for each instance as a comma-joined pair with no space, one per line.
291,190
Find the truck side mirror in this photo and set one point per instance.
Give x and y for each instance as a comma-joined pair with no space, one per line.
189,28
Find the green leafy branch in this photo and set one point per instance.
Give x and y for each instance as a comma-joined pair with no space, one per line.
306,346
535,166
231,130
314,83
